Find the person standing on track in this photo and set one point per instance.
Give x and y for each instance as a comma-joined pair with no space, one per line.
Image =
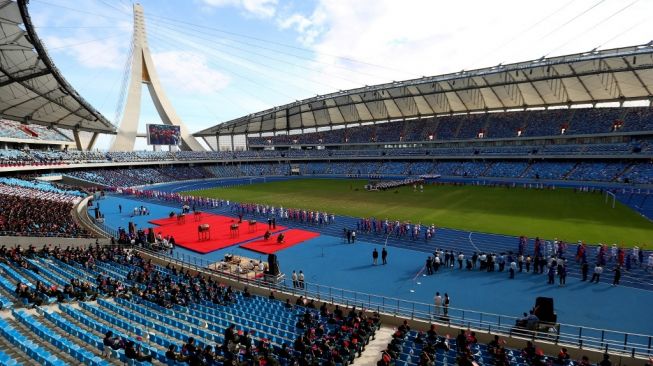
562,273
437,301
597,273
295,283
513,267
617,276
301,279
384,256
375,257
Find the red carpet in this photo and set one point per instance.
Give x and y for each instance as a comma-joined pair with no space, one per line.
292,237
186,234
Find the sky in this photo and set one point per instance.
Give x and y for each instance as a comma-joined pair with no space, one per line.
222,59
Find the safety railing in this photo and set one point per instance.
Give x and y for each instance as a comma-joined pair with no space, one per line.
98,228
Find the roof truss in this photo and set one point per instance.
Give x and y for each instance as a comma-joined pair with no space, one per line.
31,87
586,78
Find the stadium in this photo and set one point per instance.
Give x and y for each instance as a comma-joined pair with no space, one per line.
499,215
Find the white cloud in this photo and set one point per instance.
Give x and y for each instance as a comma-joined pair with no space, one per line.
189,72
398,40
308,28
296,21
90,53
258,8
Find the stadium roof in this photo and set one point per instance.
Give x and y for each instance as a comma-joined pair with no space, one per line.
613,75
31,88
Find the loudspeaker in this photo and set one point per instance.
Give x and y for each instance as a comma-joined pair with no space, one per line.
273,265
544,310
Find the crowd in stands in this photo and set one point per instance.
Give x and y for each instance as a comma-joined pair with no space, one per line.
490,125
41,186
294,334
200,321
17,130
122,177
597,171
37,209
428,348
27,158
510,126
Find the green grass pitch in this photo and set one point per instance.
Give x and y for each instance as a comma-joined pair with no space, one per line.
559,213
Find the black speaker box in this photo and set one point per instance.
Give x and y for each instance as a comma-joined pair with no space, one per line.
544,309
273,265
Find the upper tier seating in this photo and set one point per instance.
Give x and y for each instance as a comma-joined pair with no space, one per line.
493,125
18,130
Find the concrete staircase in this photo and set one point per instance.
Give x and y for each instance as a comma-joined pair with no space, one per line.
373,350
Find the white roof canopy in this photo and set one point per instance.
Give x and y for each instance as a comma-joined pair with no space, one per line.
31,88
614,75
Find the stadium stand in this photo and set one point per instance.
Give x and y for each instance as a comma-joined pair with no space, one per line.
538,123
16,130
118,177
22,213
98,305
131,302
586,171
623,148
109,299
